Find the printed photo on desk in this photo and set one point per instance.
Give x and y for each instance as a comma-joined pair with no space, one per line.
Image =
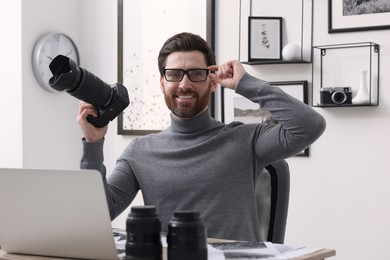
237,108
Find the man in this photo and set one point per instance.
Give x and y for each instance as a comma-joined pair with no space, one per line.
198,163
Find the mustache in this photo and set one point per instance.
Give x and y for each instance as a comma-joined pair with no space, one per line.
186,92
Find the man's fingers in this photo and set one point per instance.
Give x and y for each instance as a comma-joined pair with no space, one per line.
83,106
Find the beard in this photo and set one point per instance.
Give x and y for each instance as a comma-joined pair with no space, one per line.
190,109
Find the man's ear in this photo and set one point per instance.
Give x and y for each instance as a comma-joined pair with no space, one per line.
162,83
213,85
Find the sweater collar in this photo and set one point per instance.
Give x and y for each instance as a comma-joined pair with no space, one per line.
200,122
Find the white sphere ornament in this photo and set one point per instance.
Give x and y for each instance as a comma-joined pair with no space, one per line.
291,52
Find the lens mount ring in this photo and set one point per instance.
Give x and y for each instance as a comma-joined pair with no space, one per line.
339,97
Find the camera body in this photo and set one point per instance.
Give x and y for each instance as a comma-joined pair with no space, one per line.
117,103
336,96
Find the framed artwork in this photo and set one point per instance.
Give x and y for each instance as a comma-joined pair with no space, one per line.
238,108
358,15
264,38
141,33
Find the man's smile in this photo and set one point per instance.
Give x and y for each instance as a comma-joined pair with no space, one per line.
186,96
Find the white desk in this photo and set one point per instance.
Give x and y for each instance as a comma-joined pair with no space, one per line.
318,255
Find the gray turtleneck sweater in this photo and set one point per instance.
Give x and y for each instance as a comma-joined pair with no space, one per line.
204,165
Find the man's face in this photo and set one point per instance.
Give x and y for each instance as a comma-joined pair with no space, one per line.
186,98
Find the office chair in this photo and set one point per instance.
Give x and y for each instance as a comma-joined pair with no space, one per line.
272,196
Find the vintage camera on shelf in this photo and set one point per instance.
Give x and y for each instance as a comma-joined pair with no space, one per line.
336,96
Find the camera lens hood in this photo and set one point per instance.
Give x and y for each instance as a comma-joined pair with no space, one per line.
66,74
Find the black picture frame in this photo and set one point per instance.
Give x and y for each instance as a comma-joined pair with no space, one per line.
342,17
237,108
264,38
128,120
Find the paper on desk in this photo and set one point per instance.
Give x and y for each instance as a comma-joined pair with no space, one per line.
120,242
246,250
256,250
295,251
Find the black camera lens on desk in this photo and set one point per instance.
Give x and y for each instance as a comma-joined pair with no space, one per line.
143,234
187,237
110,100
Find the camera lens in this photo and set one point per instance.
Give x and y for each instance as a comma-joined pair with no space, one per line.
187,238
110,101
78,82
143,234
339,97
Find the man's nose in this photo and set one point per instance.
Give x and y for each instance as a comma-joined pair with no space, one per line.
185,83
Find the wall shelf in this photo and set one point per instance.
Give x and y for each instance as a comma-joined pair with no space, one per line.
296,31
265,62
340,73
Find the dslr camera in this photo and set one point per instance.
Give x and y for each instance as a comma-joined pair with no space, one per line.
336,95
110,100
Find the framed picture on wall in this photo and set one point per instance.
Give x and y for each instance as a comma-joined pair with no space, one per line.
141,33
238,108
264,38
358,15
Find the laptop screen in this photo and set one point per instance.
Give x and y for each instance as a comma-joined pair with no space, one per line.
61,213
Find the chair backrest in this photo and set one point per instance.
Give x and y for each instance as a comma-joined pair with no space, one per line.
272,197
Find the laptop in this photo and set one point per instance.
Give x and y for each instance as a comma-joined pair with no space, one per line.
60,213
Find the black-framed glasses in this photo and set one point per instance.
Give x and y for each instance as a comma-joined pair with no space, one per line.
195,75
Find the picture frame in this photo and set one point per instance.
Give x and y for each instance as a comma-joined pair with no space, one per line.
352,16
264,38
138,47
238,108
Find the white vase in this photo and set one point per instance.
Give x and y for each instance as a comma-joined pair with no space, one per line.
363,95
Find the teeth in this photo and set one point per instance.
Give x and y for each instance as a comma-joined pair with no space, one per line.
186,97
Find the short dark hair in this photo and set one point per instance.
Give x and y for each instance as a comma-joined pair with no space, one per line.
185,42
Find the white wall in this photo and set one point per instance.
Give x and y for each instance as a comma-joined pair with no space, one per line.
338,195
48,118
39,128
11,85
